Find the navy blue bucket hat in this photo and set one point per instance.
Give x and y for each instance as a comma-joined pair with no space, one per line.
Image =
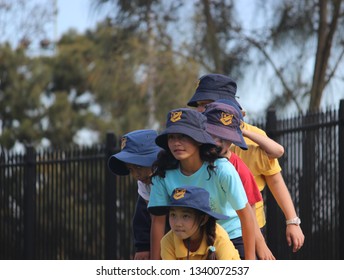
137,147
190,197
223,121
213,87
233,104
185,121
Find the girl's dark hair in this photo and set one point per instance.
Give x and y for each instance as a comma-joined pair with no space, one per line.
166,161
210,229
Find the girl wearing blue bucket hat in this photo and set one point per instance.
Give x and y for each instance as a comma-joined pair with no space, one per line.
190,157
194,233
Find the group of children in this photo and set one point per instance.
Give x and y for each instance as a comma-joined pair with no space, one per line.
200,181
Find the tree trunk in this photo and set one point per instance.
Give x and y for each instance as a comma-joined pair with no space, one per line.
325,36
213,44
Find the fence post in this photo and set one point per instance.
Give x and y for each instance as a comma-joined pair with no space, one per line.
341,178
29,185
110,201
272,209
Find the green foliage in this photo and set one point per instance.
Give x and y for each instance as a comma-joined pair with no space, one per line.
145,59
100,81
22,81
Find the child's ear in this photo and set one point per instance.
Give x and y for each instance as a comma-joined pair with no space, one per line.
204,220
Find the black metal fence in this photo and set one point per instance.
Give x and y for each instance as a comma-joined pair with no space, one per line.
313,168
65,204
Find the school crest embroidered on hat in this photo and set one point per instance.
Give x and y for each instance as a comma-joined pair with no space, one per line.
123,142
179,193
226,119
176,116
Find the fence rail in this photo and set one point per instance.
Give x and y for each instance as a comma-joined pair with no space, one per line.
65,204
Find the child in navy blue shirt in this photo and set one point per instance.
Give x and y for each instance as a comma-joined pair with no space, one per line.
138,152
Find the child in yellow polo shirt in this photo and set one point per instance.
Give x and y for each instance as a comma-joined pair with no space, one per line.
261,156
194,233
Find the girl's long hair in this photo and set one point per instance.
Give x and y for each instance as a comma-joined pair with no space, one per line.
210,230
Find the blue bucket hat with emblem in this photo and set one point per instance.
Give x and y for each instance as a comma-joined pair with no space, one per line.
190,197
137,147
188,122
213,87
223,121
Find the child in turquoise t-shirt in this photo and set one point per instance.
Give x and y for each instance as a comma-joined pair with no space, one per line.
190,157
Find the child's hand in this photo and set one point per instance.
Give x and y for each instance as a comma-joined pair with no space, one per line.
295,237
142,255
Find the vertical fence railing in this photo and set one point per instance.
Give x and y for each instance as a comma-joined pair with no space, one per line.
341,177
273,212
11,205
29,202
110,199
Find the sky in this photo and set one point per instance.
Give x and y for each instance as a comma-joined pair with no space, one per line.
76,14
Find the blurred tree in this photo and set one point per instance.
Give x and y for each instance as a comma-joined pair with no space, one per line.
145,58
107,71
214,42
302,42
165,80
221,41
22,80
97,81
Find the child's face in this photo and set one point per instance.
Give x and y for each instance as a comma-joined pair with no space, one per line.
184,222
182,146
201,105
140,173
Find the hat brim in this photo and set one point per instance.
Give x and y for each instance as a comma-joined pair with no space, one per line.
211,95
158,210
163,210
199,136
228,134
117,162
